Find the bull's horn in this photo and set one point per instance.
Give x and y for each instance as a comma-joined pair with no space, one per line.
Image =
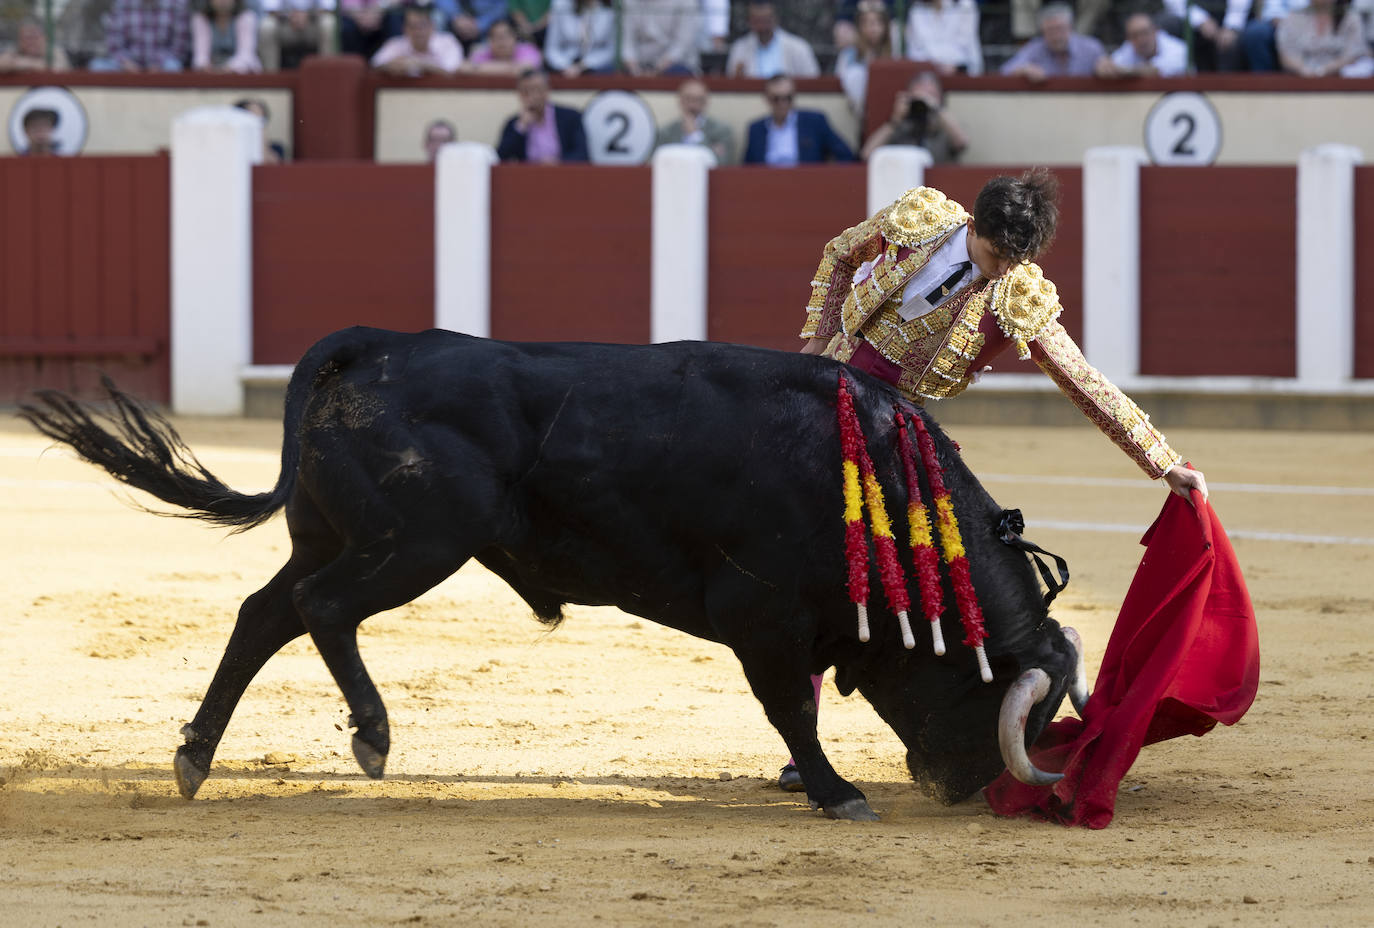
1078,689
1031,687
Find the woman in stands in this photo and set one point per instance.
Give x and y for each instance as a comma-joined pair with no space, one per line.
224,37
1324,40
581,38
873,40
502,53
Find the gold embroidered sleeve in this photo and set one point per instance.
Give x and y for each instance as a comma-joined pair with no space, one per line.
833,278
1107,407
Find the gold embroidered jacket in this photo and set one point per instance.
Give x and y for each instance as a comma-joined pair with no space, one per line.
857,292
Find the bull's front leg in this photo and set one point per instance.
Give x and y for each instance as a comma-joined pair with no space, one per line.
784,688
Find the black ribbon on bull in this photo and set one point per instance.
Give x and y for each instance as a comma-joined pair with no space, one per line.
1009,529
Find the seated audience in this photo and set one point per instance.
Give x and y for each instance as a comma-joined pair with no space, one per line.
1058,51
470,20
272,152
581,38
694,127
420,50
438,133
146,35
919,118
363,26
1257,38
660,37
945,33
292,30
788,136
531,18
872,40
768,50
30,51
541,132
1148,51
224,37
502,53
845,32
40,140
1316,42
1216,28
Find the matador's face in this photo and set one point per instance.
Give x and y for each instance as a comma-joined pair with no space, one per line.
990,263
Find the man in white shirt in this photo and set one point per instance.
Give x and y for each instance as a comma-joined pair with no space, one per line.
1148,51
768,51
419,51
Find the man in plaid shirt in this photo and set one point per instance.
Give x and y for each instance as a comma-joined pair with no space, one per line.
146,35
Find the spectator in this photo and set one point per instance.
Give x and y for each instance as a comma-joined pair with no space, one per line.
1216,46
715,26
146,35
945,33
363,26
292,30
768,51
224,37
1058,51
846,29
660,37
788,137
872,40
471,19
581,38
438,133
541,132
272,152
1024,16
30,52
1148,51
919,118
531,18
40,126
420,50
501,53
1257,38
1320,42
694,127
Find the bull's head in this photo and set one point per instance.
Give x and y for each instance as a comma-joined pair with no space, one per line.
960,733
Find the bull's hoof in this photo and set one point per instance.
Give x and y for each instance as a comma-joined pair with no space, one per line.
790,780
189,776
851,810
369,758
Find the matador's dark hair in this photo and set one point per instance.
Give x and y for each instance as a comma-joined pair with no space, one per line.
1018,215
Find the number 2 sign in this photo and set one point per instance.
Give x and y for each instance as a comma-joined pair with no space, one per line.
620,128
1183,128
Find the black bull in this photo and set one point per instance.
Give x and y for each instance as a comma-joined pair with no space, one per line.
696,485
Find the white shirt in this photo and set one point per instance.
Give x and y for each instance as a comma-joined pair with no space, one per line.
782,142
947,35
941,264
1237,11
1170,60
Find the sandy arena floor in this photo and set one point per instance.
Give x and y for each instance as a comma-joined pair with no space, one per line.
616,772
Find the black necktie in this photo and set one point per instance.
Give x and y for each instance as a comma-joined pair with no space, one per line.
942,291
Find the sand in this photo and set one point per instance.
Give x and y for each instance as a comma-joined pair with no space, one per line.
616,772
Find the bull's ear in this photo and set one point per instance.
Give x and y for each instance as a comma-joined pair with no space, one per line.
845,680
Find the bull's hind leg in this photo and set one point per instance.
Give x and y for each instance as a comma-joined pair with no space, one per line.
267,621
361,582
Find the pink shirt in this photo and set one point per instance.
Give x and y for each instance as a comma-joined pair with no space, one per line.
526,55
541,143
443,51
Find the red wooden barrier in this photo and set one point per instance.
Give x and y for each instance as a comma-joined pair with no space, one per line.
570,253
767,227
338,244
84,274
1218,271
1364,272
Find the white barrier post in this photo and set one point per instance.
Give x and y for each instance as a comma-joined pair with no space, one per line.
1111,259
1326,264
892,171
462,238
681,178
214,149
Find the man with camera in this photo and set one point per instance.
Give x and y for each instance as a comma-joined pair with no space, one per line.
919,118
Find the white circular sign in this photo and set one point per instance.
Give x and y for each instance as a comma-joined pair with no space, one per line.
70,131
1183,129
620,128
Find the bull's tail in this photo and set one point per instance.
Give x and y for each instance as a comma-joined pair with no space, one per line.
142,449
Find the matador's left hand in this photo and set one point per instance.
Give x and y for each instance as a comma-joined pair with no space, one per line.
1182,479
